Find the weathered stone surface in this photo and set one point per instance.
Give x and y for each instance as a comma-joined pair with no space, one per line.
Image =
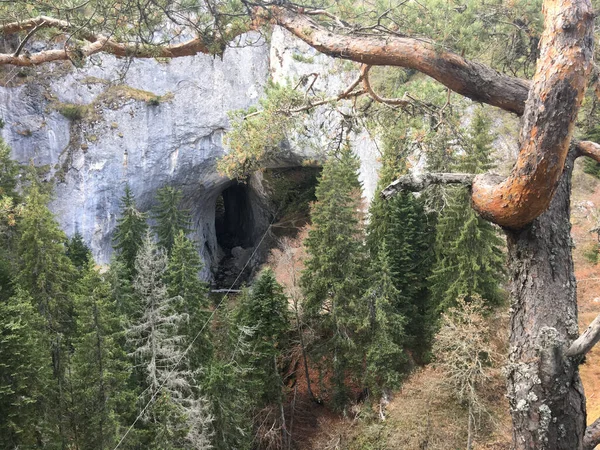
125,138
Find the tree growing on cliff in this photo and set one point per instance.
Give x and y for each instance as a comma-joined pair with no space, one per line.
531,204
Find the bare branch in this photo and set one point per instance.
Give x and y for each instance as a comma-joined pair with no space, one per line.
592,436
25,39
586,341
589,149
417,183
364,71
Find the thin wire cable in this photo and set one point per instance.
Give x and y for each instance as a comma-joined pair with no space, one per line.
196,337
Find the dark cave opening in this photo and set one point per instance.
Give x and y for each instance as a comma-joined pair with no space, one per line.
234,221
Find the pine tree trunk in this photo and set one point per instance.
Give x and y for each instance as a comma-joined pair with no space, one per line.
545,391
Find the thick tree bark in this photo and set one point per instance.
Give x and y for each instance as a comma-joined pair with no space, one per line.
544,389
563,68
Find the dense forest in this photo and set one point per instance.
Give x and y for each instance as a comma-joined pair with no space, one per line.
363,293
89,351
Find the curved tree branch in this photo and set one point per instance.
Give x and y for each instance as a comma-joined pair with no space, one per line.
562,73
97,43
364,71
589,149
418,182
584,343
471,79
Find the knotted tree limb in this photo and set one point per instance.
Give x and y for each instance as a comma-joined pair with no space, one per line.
558,86
364,71
418,182
98,42
592,436
584,343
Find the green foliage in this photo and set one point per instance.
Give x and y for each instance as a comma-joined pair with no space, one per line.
386,359
129,232
9,171
182,280
470,260
404,226
333,279
99,370
72,111
24,374
264,308
170,218
78,252
257,134
45,271
179,419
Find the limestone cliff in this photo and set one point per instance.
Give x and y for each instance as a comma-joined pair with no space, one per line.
150,123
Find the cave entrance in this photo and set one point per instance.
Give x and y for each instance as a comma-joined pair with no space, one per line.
235,229
234,221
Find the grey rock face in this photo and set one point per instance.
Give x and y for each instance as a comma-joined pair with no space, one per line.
127,137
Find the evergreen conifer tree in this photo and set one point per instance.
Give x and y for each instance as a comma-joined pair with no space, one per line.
406,228
129,232
78,252
170,218
46,274
9,199
469,257
99,369
332,281
264,307
24,374
182,279
386,358
179,417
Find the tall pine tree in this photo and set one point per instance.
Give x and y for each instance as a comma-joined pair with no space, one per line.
182,278
178,418
170,217
469,256
129,232
24,374
46,274
333,279
383,328
99,370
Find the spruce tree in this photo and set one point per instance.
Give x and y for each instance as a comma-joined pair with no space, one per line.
333,279
78,252
9,171
264,307
170,217
406,228
24,374
99,368
386,359
469,257
46,274
179,417
9,214
129,232
182,279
